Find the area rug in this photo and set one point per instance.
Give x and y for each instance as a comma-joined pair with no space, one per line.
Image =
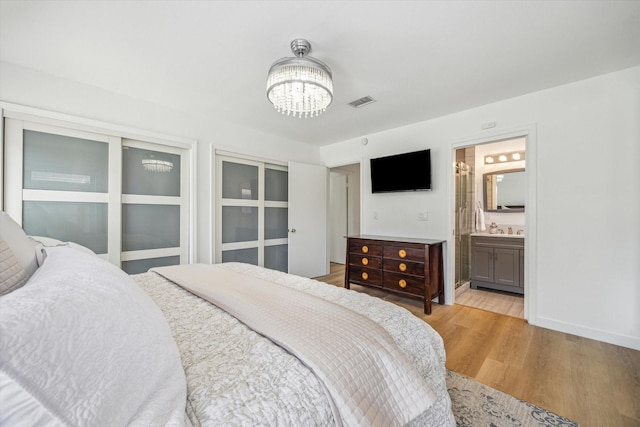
477,405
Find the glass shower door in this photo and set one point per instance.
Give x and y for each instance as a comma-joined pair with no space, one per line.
463,222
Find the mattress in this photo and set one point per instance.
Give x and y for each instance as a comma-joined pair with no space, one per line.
238,377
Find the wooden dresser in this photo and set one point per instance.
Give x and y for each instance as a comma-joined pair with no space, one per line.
404,266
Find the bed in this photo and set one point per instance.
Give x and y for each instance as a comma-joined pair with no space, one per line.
82,343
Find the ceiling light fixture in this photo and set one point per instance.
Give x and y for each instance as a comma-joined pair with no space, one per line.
301,86
504,157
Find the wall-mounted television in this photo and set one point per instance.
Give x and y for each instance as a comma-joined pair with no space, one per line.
401,172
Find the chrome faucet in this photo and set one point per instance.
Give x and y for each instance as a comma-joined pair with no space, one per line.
519,232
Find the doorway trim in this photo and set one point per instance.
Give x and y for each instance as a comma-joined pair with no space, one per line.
527,131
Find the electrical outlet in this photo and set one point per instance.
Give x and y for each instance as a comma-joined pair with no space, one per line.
423,216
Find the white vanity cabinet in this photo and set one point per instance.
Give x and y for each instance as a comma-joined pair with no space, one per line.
497,263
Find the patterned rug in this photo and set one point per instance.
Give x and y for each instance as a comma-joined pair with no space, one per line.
477,405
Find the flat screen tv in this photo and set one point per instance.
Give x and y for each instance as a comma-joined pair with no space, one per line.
401,172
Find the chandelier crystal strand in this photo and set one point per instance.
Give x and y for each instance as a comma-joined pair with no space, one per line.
300,86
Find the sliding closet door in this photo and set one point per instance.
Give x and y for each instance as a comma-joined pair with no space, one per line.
251,212
128,201
276,213
59,185
154,206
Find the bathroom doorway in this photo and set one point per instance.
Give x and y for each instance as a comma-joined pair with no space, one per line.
344,209
475,266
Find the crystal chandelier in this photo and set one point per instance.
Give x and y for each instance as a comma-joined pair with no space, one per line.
302,85
155,165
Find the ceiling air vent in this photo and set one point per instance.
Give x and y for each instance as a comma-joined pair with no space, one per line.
365,100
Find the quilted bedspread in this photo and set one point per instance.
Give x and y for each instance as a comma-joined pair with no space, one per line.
238,377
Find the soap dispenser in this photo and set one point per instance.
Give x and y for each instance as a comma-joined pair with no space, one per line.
493,228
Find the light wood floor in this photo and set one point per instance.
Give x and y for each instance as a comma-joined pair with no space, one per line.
590,382
495,301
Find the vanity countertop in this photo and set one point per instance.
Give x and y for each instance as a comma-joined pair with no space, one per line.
486,234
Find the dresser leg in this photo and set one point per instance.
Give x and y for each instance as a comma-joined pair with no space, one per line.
347,268
440,276
427,306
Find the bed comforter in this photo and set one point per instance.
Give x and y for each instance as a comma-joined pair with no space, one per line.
238,377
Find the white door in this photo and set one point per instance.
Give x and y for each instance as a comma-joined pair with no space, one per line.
308,214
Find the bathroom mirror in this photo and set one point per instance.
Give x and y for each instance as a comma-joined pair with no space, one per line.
504,190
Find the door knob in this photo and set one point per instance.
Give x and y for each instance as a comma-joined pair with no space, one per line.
293,230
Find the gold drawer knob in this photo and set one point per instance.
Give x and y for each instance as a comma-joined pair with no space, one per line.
402,266
365,276
365,261
402,283
365,249
402,253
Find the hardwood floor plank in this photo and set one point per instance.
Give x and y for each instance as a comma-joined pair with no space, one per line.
624,378
590,382
512,346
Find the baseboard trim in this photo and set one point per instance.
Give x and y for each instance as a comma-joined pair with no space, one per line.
594,334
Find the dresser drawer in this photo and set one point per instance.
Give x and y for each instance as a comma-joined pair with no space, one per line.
365,261
365,247
404,267
403,283
404,252
365,275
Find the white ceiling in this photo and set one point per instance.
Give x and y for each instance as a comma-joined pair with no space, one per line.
418,59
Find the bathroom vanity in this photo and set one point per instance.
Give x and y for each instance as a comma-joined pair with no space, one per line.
497,262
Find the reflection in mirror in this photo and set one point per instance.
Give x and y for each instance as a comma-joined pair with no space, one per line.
504,191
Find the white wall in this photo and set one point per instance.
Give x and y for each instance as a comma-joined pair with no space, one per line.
587,235
35,89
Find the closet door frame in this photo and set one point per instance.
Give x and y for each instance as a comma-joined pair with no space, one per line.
115,133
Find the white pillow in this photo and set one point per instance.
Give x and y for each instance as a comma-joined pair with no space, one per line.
12,273
22,247
86,344
47,242
20,409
